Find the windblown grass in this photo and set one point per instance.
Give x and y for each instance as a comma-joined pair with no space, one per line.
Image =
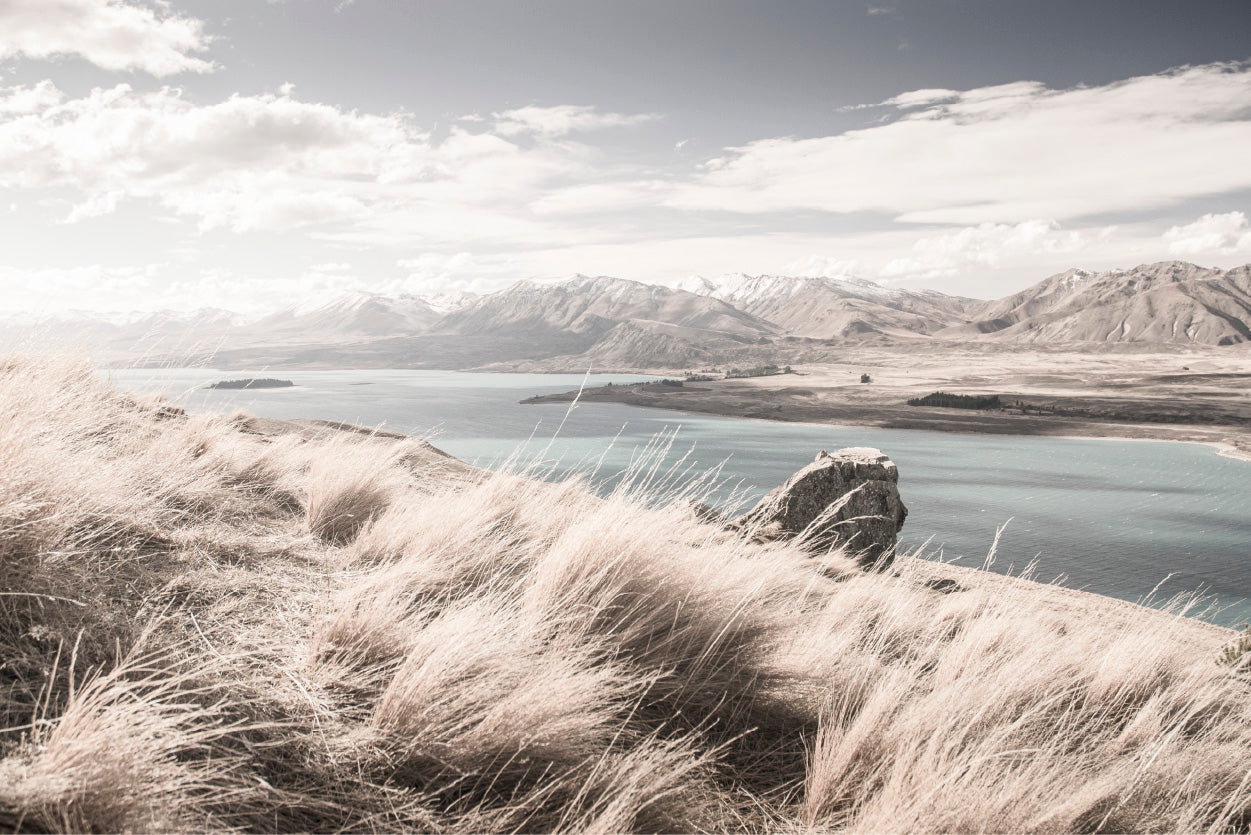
210,624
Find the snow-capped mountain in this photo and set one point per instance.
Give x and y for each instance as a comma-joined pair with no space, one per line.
594,305
831,308
449,301
349,318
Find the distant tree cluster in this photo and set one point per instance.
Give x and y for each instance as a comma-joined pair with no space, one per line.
705,375
957,401
756,371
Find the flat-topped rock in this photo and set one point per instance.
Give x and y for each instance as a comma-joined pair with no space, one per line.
849,499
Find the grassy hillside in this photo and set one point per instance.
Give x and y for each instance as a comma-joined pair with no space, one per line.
228,623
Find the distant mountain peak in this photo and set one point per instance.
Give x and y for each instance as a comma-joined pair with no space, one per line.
1164,302
832,307
744,286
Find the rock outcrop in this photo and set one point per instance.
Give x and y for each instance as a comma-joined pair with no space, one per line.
848,499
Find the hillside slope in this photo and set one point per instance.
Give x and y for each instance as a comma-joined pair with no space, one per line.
1166,302
228,623
827,308
352,318
593,306
136,336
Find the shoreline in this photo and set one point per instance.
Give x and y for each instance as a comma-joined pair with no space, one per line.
807,398
892,417
1223,448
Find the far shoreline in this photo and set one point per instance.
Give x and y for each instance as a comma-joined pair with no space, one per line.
957,422
756,399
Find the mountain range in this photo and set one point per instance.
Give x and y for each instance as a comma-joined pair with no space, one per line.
1170,301
606,322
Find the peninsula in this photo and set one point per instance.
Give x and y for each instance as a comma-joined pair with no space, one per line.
1198,395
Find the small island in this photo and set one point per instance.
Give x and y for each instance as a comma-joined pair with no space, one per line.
251,383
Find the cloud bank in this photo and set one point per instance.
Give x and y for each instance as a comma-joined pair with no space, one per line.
1015,177
1006,154
563,119
112,34
268,162
1221,234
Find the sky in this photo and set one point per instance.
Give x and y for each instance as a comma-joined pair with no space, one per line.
258,154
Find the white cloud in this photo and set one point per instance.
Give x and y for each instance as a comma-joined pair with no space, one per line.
331,268
988,245
100,203
824,266
92,286
910,99
18,101
563,119
1014,165
920,98
112,34
601,197
160,286
435,264
274,162
247,162
1006,154
438,273
1211,234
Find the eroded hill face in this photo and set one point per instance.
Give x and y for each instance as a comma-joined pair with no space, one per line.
616,323
1167,302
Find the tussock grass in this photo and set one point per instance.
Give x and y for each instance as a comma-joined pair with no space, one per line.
346,490
126,752
206,624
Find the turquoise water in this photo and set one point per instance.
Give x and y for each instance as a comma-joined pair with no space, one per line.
1113,517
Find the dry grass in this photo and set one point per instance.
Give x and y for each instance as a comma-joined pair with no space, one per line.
203,626
347,490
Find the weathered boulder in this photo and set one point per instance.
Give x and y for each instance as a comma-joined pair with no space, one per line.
850,499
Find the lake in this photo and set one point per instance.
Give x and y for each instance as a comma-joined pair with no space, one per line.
1117,518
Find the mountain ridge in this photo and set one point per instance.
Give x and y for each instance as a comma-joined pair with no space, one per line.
732,318
1165,301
